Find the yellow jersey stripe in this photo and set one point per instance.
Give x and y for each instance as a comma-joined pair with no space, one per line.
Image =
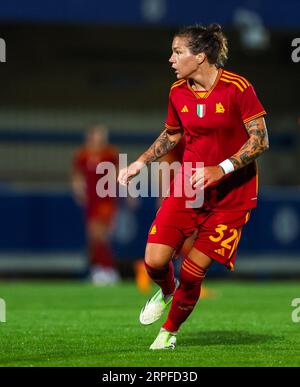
192,268
244,85
233,248
262,113
220,72
238,76
178,83
191,271
248,213
179,80
228,73
235,83
235,243
172,127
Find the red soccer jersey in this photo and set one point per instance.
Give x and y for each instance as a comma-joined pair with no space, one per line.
214,127
86,161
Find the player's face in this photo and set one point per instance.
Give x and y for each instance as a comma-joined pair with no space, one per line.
183,61
95,138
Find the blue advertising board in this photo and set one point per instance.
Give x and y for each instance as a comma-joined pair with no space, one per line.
139,12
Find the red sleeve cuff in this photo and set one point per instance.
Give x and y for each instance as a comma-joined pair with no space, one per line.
262,113
170,127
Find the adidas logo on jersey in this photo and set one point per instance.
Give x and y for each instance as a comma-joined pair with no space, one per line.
184,109
220,251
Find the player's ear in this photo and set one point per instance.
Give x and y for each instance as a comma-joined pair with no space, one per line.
200,57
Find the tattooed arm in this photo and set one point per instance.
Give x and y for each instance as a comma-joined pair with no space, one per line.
256,144
161,146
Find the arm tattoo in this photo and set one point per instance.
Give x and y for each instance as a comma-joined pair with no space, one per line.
161,146
256,144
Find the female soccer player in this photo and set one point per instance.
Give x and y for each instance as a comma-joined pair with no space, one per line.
223,122
99,212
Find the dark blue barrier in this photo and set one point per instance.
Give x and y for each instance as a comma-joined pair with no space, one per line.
132,227
40,222
121,136
274,226
53,222
168,12
49,222
46,136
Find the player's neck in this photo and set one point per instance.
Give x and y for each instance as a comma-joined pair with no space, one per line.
205,78
95,148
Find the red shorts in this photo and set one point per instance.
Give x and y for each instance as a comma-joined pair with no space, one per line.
218,232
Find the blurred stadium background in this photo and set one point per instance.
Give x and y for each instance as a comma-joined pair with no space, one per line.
69,63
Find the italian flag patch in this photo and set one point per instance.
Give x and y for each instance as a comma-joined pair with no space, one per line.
201,109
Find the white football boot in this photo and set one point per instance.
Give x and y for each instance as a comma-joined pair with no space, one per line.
164,340
155,306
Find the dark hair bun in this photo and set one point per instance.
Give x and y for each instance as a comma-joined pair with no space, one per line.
209,40
214,28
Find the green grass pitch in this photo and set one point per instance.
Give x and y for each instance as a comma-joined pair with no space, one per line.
78,324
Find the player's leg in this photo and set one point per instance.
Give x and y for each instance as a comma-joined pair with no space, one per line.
172,225
192,273
186,248
100,252
102,260
217,241
159,266
164,238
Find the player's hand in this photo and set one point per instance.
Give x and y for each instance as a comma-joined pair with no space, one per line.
126,174
79,190
204,177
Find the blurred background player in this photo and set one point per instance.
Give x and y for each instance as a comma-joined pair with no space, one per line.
99,212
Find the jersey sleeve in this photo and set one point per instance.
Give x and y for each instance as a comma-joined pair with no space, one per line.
112,155
249,105
173,121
